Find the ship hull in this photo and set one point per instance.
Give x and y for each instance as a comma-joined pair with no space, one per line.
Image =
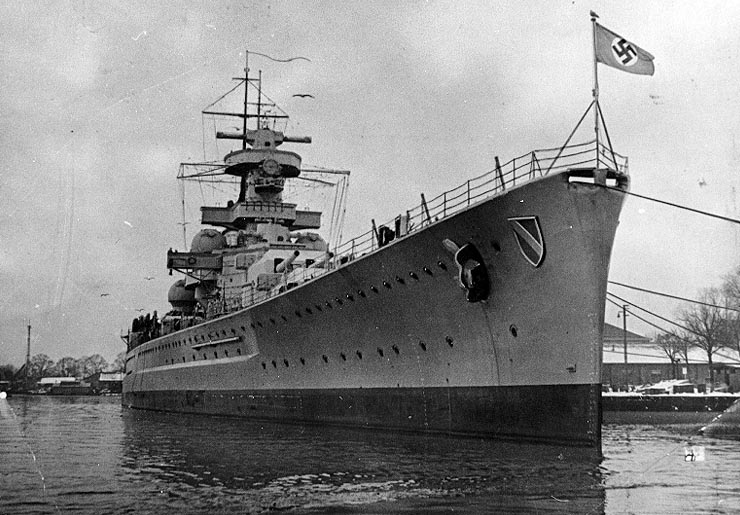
390,340
551,413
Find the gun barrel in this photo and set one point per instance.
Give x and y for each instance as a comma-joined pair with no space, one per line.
283,265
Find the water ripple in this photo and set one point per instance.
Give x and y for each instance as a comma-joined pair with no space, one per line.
91,456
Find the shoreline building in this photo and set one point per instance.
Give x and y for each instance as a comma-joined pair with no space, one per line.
648,364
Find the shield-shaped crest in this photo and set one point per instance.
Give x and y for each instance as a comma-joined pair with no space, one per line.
528,236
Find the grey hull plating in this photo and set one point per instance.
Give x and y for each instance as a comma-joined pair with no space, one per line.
393,332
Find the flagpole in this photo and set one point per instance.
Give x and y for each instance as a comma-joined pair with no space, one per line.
596,86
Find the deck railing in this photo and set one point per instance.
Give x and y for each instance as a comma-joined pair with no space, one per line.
515,172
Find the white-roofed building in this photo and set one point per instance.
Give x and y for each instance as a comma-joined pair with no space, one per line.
647,363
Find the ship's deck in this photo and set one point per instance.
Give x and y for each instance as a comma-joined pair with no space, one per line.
579,159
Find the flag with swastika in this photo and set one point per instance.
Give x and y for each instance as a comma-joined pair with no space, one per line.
615,51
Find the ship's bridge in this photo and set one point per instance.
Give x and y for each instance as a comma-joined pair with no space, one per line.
237,215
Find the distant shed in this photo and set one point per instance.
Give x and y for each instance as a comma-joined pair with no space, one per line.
106,382
47,382
647,363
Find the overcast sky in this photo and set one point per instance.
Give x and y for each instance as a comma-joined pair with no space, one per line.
101,102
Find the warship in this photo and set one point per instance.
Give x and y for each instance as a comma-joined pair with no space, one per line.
479,312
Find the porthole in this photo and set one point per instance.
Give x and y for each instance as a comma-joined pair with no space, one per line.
259,324
205,357
514,331
395,348
496,246
449,340
328,305
226,353
264,365
286,363
193,357
373,289
285,319
423,346
400,280
239,352
244,329
343,356
303,361
183,359
298,313
361,293
387,284
233,331
318,307
427,271
338,301
442,265
274,363
380,351
215,355
413,275
325,358
359,354
308,310
273,321
350,297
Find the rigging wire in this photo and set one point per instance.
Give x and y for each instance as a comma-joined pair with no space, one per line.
332,219
342,209
672,204
219,99
656,326
693,210
674,296
203,133
653,314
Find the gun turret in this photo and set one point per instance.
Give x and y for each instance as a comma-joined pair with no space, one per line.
283,265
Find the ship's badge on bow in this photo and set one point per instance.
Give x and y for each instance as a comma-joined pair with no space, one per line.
528,235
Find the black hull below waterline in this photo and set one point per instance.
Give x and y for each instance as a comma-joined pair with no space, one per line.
568,414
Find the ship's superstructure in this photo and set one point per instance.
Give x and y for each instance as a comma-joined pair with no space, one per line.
478,312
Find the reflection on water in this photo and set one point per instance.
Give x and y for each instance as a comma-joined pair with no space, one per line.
88,455
269,466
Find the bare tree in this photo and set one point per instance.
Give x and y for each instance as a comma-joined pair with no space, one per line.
675,347
89,365
119,364
66,367
7,372
707,326
40,366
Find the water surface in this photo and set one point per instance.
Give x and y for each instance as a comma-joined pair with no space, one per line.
89,455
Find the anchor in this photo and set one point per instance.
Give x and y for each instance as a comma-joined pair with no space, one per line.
472,271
